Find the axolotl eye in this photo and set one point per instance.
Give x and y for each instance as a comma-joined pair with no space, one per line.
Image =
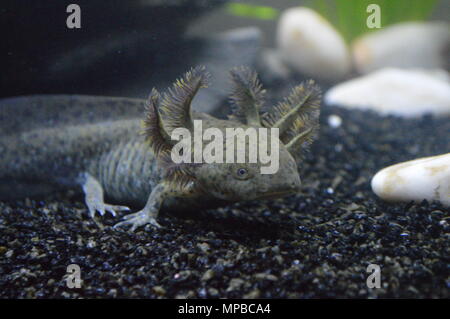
242,173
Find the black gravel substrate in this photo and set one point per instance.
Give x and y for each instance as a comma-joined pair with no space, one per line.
317,244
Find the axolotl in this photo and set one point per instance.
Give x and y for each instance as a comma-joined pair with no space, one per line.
55,142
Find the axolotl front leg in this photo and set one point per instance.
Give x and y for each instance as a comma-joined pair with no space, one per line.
94,198
94,195
149,213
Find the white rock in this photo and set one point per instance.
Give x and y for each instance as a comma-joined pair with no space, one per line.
404,45
424,178
406,93
334,121
309,44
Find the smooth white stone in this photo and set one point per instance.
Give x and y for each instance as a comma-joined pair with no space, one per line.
403,45
334,121
424,178
309,44
406,93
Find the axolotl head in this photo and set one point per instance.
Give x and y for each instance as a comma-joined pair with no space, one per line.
259,167
265,175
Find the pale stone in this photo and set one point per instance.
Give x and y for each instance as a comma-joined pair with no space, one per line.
424,178
406,93
311,45
403,45
334,121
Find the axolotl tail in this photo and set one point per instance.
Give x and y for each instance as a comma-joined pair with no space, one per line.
46,140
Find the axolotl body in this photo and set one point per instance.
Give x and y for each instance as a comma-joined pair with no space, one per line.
61,145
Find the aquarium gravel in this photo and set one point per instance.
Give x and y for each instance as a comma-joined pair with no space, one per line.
316,244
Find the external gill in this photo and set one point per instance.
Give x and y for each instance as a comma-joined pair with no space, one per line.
296,117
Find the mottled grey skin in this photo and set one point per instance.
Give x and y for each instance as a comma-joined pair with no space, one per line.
114,153
54,142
